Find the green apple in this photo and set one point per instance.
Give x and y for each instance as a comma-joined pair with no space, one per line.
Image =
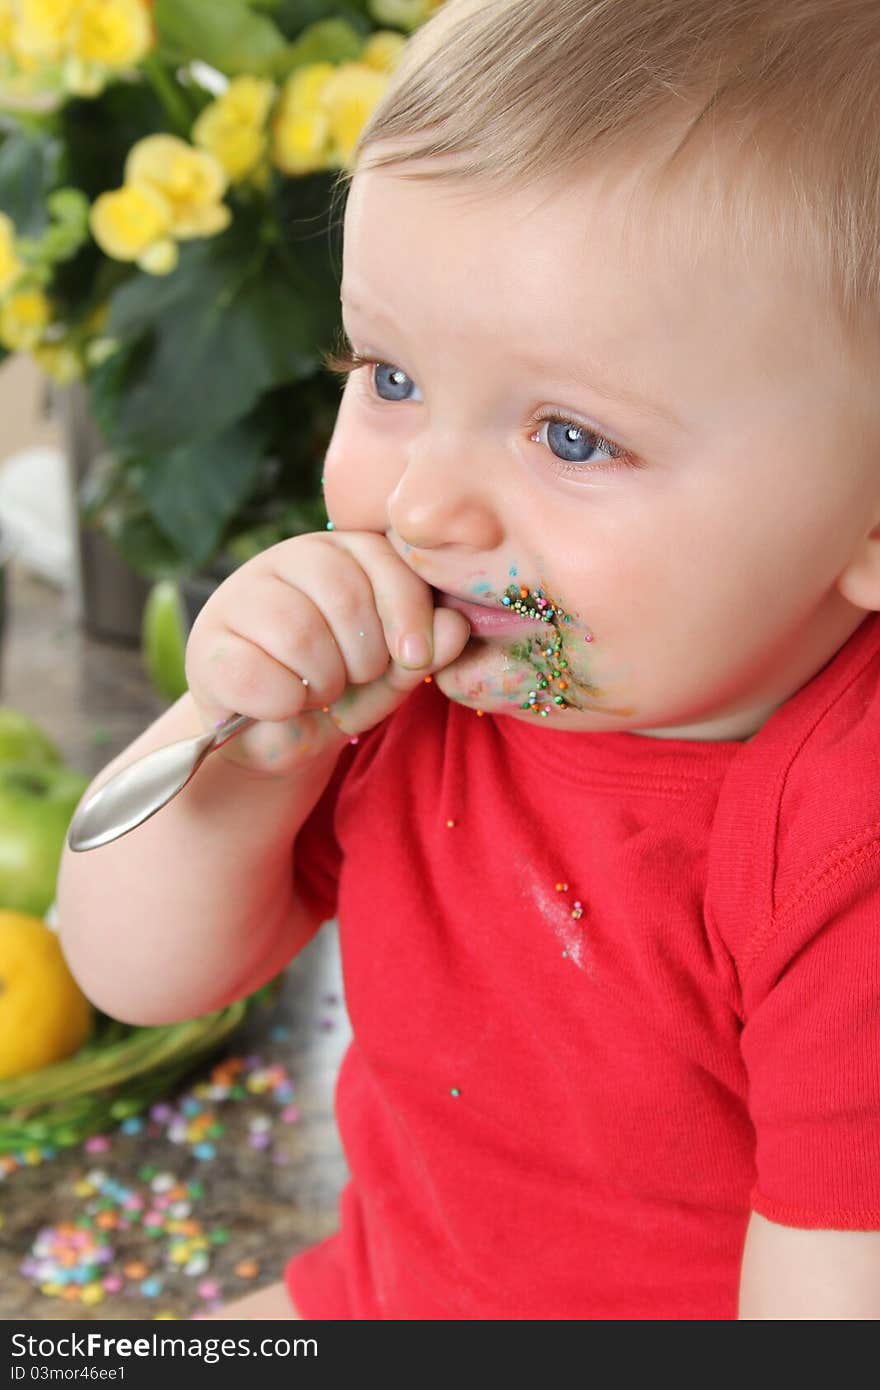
36,806
23,741
164,630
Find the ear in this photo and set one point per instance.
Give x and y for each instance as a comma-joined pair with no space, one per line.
860,581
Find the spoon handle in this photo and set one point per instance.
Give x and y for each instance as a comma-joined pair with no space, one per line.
235,724
138,791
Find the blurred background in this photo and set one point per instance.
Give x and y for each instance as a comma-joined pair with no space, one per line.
170,252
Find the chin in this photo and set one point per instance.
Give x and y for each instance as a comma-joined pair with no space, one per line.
492,676
484,676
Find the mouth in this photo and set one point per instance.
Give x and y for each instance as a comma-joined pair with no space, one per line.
487,620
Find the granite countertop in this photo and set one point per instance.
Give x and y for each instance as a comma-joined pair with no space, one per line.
204,1198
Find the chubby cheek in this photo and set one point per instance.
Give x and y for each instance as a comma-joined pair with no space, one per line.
563,669
360,475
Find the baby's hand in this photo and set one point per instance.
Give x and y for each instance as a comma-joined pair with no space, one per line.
314,622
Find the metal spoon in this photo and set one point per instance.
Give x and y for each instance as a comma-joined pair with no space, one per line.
140,790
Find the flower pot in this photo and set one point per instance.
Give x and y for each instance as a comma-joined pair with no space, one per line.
111,596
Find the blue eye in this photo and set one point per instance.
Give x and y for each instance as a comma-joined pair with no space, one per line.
396,381
573,443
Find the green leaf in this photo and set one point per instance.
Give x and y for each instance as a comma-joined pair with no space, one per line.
62,239
227,34
143,546
203,344
329,41
109,501
194,490
69,206
80,285
97,134
402,14
292,16
28,170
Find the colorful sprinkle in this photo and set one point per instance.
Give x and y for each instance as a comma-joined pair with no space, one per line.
75,1260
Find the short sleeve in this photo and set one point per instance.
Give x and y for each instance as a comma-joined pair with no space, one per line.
811,1046
317,854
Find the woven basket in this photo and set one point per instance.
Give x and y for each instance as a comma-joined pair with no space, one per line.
116,1074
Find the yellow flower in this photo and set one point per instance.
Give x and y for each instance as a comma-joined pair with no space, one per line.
113,33
160,258
301,129
83,79
7,23
299,143
23,319
383,49
191,181
128,220
304,87
322,112
350,96
232,127
10,266
99,350
60,361
45,29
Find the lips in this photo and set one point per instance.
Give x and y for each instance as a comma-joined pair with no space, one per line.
486,621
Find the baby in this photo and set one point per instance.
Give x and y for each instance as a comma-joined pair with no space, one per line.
572,715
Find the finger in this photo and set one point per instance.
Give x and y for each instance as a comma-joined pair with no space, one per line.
233,675
403,601
339,589
361,707
287,625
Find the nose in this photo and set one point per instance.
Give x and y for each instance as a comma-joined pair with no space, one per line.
445,496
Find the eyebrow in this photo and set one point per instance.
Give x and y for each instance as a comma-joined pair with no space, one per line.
587,376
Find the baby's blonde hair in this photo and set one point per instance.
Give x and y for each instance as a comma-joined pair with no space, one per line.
768,109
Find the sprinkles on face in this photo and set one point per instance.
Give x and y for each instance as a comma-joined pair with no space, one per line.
535,604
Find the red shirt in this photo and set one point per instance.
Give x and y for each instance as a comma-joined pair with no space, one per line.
552,1111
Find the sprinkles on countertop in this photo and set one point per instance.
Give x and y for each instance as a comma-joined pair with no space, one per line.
90,1256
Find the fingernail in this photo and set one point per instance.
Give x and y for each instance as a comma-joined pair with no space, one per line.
414,650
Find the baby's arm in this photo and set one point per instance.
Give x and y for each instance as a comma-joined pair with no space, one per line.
197,906
794,1274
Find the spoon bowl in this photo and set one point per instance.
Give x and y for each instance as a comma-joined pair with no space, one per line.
138,791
